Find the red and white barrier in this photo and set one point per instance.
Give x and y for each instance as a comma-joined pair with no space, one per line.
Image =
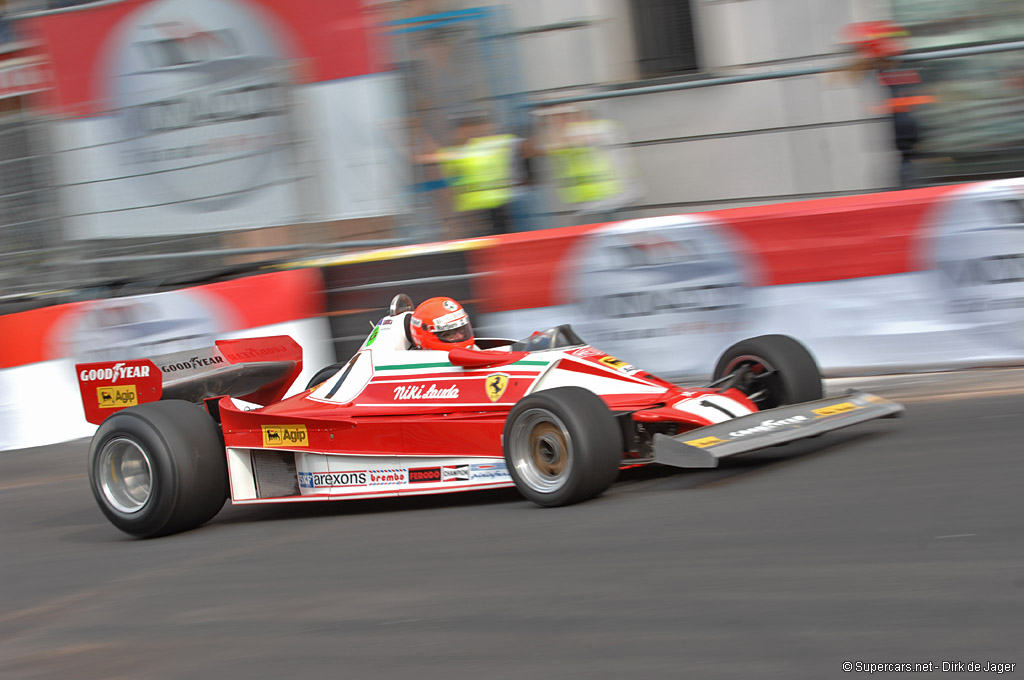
912,279
40,401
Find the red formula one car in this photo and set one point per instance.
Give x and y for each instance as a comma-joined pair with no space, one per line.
550,415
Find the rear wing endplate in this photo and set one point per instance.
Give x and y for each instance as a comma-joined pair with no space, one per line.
259,370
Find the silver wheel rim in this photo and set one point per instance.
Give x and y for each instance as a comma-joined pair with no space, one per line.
126,474
541,450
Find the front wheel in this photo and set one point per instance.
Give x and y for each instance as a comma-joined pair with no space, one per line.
562,446
772,370
158,468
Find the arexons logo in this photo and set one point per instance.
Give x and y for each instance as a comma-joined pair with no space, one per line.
199,95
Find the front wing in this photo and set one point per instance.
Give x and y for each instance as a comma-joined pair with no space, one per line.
705,446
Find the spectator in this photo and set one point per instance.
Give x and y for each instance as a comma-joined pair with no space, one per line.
590,162
877,43
481,171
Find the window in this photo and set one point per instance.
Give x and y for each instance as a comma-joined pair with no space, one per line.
974,128
665,43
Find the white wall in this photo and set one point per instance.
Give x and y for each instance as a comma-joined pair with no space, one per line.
839,145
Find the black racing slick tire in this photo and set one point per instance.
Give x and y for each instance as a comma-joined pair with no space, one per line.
773,370
562,446
158,468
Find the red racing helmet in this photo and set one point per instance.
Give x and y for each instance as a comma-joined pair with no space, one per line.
441,323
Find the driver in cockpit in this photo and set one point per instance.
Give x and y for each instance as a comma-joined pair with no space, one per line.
441,323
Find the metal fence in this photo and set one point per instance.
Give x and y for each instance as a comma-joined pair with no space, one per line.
30,238
480,72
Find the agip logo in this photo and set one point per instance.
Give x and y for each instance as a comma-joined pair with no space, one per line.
198,92
277,436
117,396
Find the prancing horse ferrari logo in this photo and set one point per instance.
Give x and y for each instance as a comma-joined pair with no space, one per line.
495,385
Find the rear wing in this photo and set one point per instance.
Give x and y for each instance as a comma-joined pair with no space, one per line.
259,370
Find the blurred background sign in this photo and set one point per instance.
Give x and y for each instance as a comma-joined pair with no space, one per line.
975,127
151,144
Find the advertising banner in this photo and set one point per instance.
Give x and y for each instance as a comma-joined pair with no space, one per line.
39,396
24,76
189,116
899,281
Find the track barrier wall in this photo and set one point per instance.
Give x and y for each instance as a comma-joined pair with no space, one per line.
923,279
909,280
39,398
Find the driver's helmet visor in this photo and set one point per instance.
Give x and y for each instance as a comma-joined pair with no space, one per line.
457,334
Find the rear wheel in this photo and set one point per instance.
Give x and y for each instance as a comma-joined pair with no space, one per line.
158,468
562,446
772,370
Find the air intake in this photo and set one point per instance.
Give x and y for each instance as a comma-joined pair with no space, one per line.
275,474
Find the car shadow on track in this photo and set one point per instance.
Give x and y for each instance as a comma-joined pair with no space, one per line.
646,478
368,506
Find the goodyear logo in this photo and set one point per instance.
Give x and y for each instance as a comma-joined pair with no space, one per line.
117,396
285,435
495,385
705,442
836,409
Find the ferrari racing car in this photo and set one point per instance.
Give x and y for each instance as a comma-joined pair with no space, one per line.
550,415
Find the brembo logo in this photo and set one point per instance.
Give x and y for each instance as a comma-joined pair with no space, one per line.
115,373
768,426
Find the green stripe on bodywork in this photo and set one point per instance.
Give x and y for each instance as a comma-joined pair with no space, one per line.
401,367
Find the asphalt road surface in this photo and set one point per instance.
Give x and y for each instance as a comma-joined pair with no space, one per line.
897,541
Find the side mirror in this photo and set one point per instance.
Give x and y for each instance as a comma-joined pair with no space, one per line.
475,358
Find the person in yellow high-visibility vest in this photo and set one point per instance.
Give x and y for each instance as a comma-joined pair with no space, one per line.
480,172
592,173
